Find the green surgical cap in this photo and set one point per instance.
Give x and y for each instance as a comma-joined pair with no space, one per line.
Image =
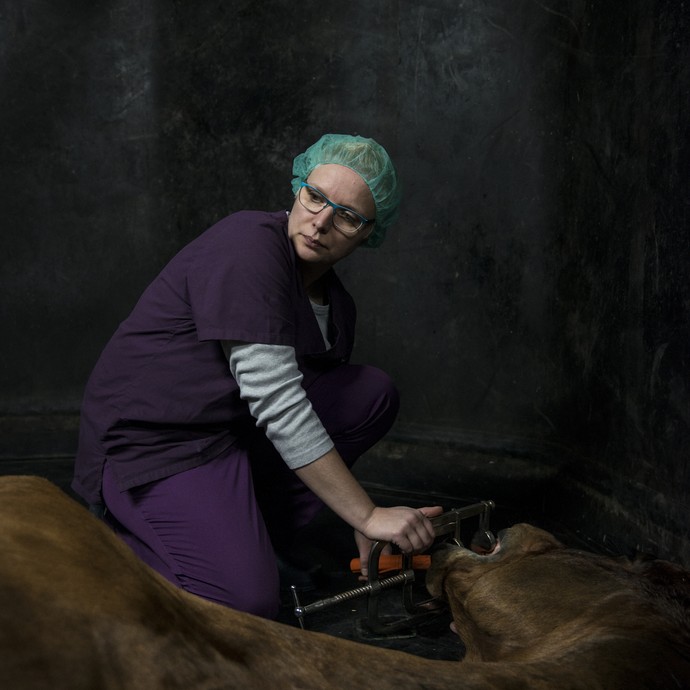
369,160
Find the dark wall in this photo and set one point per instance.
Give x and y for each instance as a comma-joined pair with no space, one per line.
532,303
621,307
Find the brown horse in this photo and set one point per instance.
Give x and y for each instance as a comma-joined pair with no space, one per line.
564,618
79,610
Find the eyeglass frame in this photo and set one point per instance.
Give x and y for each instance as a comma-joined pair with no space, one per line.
334,207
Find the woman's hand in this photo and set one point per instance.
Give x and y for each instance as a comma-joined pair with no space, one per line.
364,549
407,528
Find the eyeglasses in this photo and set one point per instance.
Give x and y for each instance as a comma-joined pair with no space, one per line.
346,220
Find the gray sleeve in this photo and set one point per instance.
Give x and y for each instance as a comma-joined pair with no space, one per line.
270,381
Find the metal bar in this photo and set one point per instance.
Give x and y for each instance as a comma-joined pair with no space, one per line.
369,588
446,525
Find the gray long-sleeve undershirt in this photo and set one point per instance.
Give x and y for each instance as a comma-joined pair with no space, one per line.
270,381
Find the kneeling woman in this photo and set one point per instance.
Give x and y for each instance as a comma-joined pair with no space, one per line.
224,410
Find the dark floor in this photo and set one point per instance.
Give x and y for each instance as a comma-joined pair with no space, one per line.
329,542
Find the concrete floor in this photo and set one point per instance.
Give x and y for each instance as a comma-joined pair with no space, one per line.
329,542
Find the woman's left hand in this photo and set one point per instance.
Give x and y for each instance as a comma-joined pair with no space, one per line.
364,544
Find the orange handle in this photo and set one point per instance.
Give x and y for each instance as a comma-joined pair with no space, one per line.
388,563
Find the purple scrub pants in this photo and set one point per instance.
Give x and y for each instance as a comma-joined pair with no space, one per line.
211,529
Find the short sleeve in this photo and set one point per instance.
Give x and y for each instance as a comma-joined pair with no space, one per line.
242,283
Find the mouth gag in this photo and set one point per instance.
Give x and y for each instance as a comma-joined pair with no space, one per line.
447,528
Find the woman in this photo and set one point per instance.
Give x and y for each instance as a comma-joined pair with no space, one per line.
224,410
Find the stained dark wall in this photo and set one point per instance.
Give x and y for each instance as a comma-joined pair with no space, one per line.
622,301
532,303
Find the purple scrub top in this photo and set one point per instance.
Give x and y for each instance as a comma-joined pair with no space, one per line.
161,398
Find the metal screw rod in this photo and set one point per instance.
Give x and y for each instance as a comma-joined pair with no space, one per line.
369,588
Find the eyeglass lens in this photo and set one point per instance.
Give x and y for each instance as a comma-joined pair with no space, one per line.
346,221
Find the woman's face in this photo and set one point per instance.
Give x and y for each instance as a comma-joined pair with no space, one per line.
317,242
